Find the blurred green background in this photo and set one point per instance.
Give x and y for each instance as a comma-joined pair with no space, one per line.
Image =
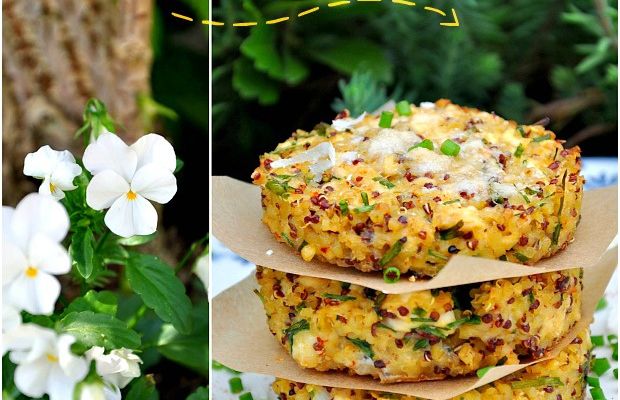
522,59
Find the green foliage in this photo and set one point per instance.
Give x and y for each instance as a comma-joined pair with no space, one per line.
143,389
508,57
104,302
103,330
202,393
160,290
191,350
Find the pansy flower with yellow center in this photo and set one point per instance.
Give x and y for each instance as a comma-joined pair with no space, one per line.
126,177
58,169
32,253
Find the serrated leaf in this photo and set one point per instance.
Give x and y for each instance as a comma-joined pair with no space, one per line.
160,290
252,84
82,253
136,240
104,302
143,389
99,330
346,55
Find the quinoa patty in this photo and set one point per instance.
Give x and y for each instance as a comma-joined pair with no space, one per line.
561,378
426,335
436,180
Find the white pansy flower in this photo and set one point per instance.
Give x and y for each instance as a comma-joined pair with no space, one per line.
118,368
11,318
58,169
45,363
32,253
127,177
99,391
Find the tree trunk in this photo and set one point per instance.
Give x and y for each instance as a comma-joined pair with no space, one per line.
56,55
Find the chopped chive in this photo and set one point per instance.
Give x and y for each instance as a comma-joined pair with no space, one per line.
302,245
597,394
393,252
503,257
422,319
600,365
338,297
521,131
451,232
527,200
432,330
556,234
420,344
437,255
235,384
344,207
246,396
597,341
593,381
541,138
451,201
419,311
260,296
450,148
483,371
364,346
288,240
519,150
386,119
297,327
425,144
521,257
278,188
471,320
364,198
616,373
391,274
403,108
384,182
384,326
602,303
544,381
614,349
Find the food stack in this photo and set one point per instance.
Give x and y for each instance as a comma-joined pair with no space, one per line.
399,200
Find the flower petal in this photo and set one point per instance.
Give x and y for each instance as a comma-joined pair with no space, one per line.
109,152
48,256
74,367
104,189
27,342
37,213
11,318
41,163
59,385
7,217
31,378
154,148
64,174
36,295
46,189
14,262
127,218
155,183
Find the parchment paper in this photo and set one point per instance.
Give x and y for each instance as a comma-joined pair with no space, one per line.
242,341
237,223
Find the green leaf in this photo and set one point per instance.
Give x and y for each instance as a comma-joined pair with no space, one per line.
99,330
143,389
82,253
346,55
202,393
160,290
190,350
252,84
262,47
137,239
103,302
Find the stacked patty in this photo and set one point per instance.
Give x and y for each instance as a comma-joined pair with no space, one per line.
410,190
560,378
426,335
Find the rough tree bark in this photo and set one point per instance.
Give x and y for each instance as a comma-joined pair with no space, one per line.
56,55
